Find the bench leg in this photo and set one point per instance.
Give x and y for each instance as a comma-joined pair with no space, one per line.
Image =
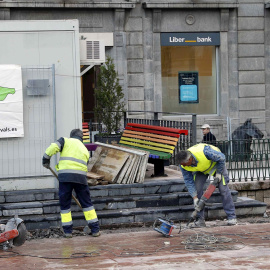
159,167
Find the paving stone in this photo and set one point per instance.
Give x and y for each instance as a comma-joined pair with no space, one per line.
20,212
136,191
20,198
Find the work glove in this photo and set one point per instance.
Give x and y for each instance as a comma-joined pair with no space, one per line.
195,202
46,162
219,176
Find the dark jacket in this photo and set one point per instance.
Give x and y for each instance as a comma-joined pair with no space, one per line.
209,138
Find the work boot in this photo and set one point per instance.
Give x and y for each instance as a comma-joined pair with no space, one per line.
97,234
232,222
68,235
199,223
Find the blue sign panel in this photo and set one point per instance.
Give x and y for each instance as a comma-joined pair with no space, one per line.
188,87
190,39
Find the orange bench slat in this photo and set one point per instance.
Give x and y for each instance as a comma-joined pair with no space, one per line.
149,139
152,135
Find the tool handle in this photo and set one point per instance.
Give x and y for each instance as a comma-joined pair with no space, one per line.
73,197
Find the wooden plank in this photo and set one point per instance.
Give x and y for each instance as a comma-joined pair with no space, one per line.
124,169
148,139
94,175
154,132
148,143
137,172
166,129
142,166
92,182
134,170
151,135
146,147
126,149
129,170
94,159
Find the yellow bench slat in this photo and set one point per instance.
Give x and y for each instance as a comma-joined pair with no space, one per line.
145,146
148,143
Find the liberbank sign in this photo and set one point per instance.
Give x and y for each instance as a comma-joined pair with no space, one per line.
190,39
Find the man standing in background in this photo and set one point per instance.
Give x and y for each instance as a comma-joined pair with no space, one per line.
208,137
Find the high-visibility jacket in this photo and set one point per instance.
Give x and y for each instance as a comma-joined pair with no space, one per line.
204,165
73,157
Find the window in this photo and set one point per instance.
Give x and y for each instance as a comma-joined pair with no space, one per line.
201,60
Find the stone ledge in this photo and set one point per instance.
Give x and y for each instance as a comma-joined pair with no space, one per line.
256,185
208,4
75,4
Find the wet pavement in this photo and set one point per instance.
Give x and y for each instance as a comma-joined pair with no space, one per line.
245,246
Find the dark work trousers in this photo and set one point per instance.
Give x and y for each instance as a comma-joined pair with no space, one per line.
224,190
83,195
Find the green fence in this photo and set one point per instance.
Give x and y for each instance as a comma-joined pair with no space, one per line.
247,159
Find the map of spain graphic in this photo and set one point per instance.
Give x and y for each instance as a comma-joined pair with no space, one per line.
4,91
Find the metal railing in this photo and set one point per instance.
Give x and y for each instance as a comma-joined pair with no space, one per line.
247,160
152,119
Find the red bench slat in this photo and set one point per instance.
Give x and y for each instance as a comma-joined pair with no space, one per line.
173,130
154,131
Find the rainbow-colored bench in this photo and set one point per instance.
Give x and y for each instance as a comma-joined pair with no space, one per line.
160,142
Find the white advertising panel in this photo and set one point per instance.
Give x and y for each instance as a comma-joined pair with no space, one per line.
11,101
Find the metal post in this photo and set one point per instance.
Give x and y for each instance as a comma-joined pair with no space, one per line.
90,130
194,129
125,119
155,119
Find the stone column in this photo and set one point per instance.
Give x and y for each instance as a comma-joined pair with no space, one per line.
4,13
120,49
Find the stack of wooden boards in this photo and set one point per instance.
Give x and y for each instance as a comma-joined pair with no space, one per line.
118,164
86,134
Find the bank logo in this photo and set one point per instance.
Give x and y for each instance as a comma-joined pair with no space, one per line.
180,40
4,91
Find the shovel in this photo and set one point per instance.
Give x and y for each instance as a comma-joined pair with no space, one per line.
73,197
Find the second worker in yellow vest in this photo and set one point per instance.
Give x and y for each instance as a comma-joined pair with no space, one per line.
197,163
72,170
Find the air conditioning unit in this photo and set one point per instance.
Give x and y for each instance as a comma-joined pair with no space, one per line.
92,51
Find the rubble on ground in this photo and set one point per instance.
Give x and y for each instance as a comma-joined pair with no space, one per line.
58,232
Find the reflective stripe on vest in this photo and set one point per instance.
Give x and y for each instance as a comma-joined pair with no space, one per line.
90,214
52,149
73,158
66,218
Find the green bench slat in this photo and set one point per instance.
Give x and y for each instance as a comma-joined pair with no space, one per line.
153,152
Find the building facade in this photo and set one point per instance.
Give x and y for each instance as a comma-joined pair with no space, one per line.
206,57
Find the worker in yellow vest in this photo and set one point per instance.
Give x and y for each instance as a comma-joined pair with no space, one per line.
197,163
72,170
